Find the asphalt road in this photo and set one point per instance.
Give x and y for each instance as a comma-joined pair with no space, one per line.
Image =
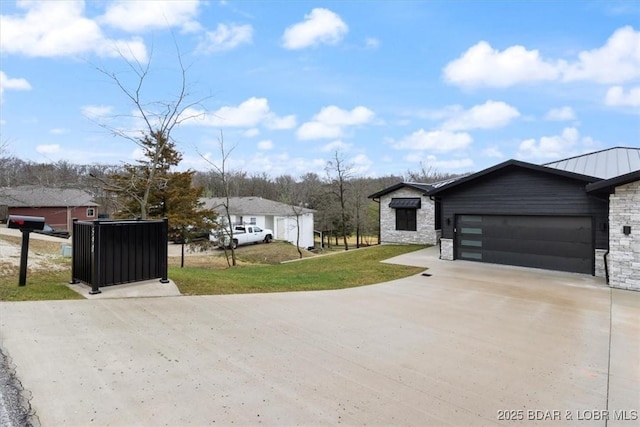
12,411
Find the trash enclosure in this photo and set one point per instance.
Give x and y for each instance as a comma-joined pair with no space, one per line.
112,252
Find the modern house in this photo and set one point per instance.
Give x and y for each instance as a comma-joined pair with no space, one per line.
580,214
285,220
58,206
408,215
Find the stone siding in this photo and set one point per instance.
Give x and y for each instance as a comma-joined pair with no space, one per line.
599,263
624,250
446,249
425,233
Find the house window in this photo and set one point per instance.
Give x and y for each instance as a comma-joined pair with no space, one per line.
253,221
406,219
406,212
91,212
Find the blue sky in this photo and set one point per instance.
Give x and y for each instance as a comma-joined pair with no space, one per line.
456,86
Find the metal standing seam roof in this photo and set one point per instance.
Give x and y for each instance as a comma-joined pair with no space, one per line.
34,196
604,164
250,206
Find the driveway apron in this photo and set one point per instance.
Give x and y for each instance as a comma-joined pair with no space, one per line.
472,344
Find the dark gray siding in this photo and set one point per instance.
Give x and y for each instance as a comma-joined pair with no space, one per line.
520,191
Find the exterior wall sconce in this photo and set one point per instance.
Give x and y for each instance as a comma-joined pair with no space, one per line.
626,230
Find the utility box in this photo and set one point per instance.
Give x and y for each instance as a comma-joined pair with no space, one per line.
22,222
106,253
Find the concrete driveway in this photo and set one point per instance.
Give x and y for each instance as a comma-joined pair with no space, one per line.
472,344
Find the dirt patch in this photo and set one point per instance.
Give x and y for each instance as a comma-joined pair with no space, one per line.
43,255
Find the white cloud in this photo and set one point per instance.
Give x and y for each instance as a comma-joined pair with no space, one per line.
483,65
361,164
250,113
12,84
58,131
225,38
96,111
561,114
617,97
337,116
134,16
492,152
329,122
265,145
250,133
320,26
282,123
59,28
336,145
437,140
318,130
618,61
490,115
48,148
550,147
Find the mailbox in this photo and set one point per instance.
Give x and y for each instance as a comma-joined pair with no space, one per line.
26,224
22,222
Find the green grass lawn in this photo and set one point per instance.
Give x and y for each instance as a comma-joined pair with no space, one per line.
337,271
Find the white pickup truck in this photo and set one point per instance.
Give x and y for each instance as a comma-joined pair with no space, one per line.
242,235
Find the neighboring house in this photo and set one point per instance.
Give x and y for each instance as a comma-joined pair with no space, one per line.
407,215
279,217
58,206
580,214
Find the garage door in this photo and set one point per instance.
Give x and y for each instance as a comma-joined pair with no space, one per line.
550,242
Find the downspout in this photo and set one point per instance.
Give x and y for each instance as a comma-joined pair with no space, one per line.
379,217
606,266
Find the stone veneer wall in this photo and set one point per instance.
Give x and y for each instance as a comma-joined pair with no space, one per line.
599,265
446,249
624,250
425,233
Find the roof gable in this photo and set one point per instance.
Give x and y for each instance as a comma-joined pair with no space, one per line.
603,164
609,185
422,188
469,179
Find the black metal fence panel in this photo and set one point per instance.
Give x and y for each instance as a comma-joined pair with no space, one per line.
109,253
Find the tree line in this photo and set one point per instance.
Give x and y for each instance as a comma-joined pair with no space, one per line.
339,196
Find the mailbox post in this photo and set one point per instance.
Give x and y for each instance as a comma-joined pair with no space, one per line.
26,224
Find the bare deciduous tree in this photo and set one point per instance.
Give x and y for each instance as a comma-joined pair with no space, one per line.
339,173
222,172
428,174
158,117
289,196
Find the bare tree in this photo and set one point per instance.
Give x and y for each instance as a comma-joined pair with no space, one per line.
339,175
289,195
427,174
222,172
159,118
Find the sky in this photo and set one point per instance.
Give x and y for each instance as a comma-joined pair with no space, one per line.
388,86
